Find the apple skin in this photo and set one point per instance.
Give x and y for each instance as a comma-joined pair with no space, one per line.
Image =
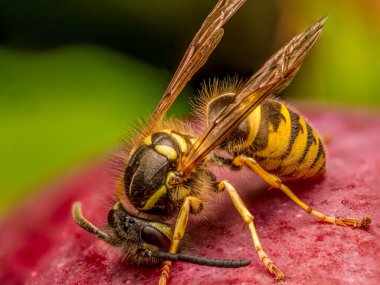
41,244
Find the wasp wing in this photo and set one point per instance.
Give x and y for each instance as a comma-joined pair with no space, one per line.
273,77
204,42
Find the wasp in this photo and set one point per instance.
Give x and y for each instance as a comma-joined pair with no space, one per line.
166,169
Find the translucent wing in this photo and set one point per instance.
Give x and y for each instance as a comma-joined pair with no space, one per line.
204,42
273,77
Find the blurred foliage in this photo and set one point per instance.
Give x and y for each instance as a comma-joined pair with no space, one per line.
62,105
157,31
345,67
69,86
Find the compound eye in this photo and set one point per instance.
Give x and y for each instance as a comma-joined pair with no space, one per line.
111,217
153,236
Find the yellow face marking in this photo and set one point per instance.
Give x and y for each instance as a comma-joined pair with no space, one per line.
167,151
181,142
154,198
148,140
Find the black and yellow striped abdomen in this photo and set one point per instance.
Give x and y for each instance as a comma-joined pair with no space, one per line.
281,141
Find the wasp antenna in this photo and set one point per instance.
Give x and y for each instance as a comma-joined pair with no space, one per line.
200,260
81,221
323,19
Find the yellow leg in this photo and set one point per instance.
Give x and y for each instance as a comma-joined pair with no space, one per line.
190,204
275,182
248,219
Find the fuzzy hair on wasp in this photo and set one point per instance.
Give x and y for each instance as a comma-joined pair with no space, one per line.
165,169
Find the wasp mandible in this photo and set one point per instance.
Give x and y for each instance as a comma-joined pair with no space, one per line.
165,170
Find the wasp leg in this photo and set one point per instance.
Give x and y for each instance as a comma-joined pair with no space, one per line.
275,182
80,220
248,219
190,204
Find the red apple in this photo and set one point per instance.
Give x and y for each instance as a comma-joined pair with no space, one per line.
41,244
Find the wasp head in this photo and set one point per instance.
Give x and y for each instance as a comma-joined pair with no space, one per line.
136,235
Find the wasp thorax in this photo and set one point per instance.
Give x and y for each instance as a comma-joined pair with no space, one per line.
149,170
220,105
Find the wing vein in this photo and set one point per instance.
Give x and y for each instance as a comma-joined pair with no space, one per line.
275,75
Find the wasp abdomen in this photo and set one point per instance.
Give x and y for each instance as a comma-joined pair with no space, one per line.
278,138
285,144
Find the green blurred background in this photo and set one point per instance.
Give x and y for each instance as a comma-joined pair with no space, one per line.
75,75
